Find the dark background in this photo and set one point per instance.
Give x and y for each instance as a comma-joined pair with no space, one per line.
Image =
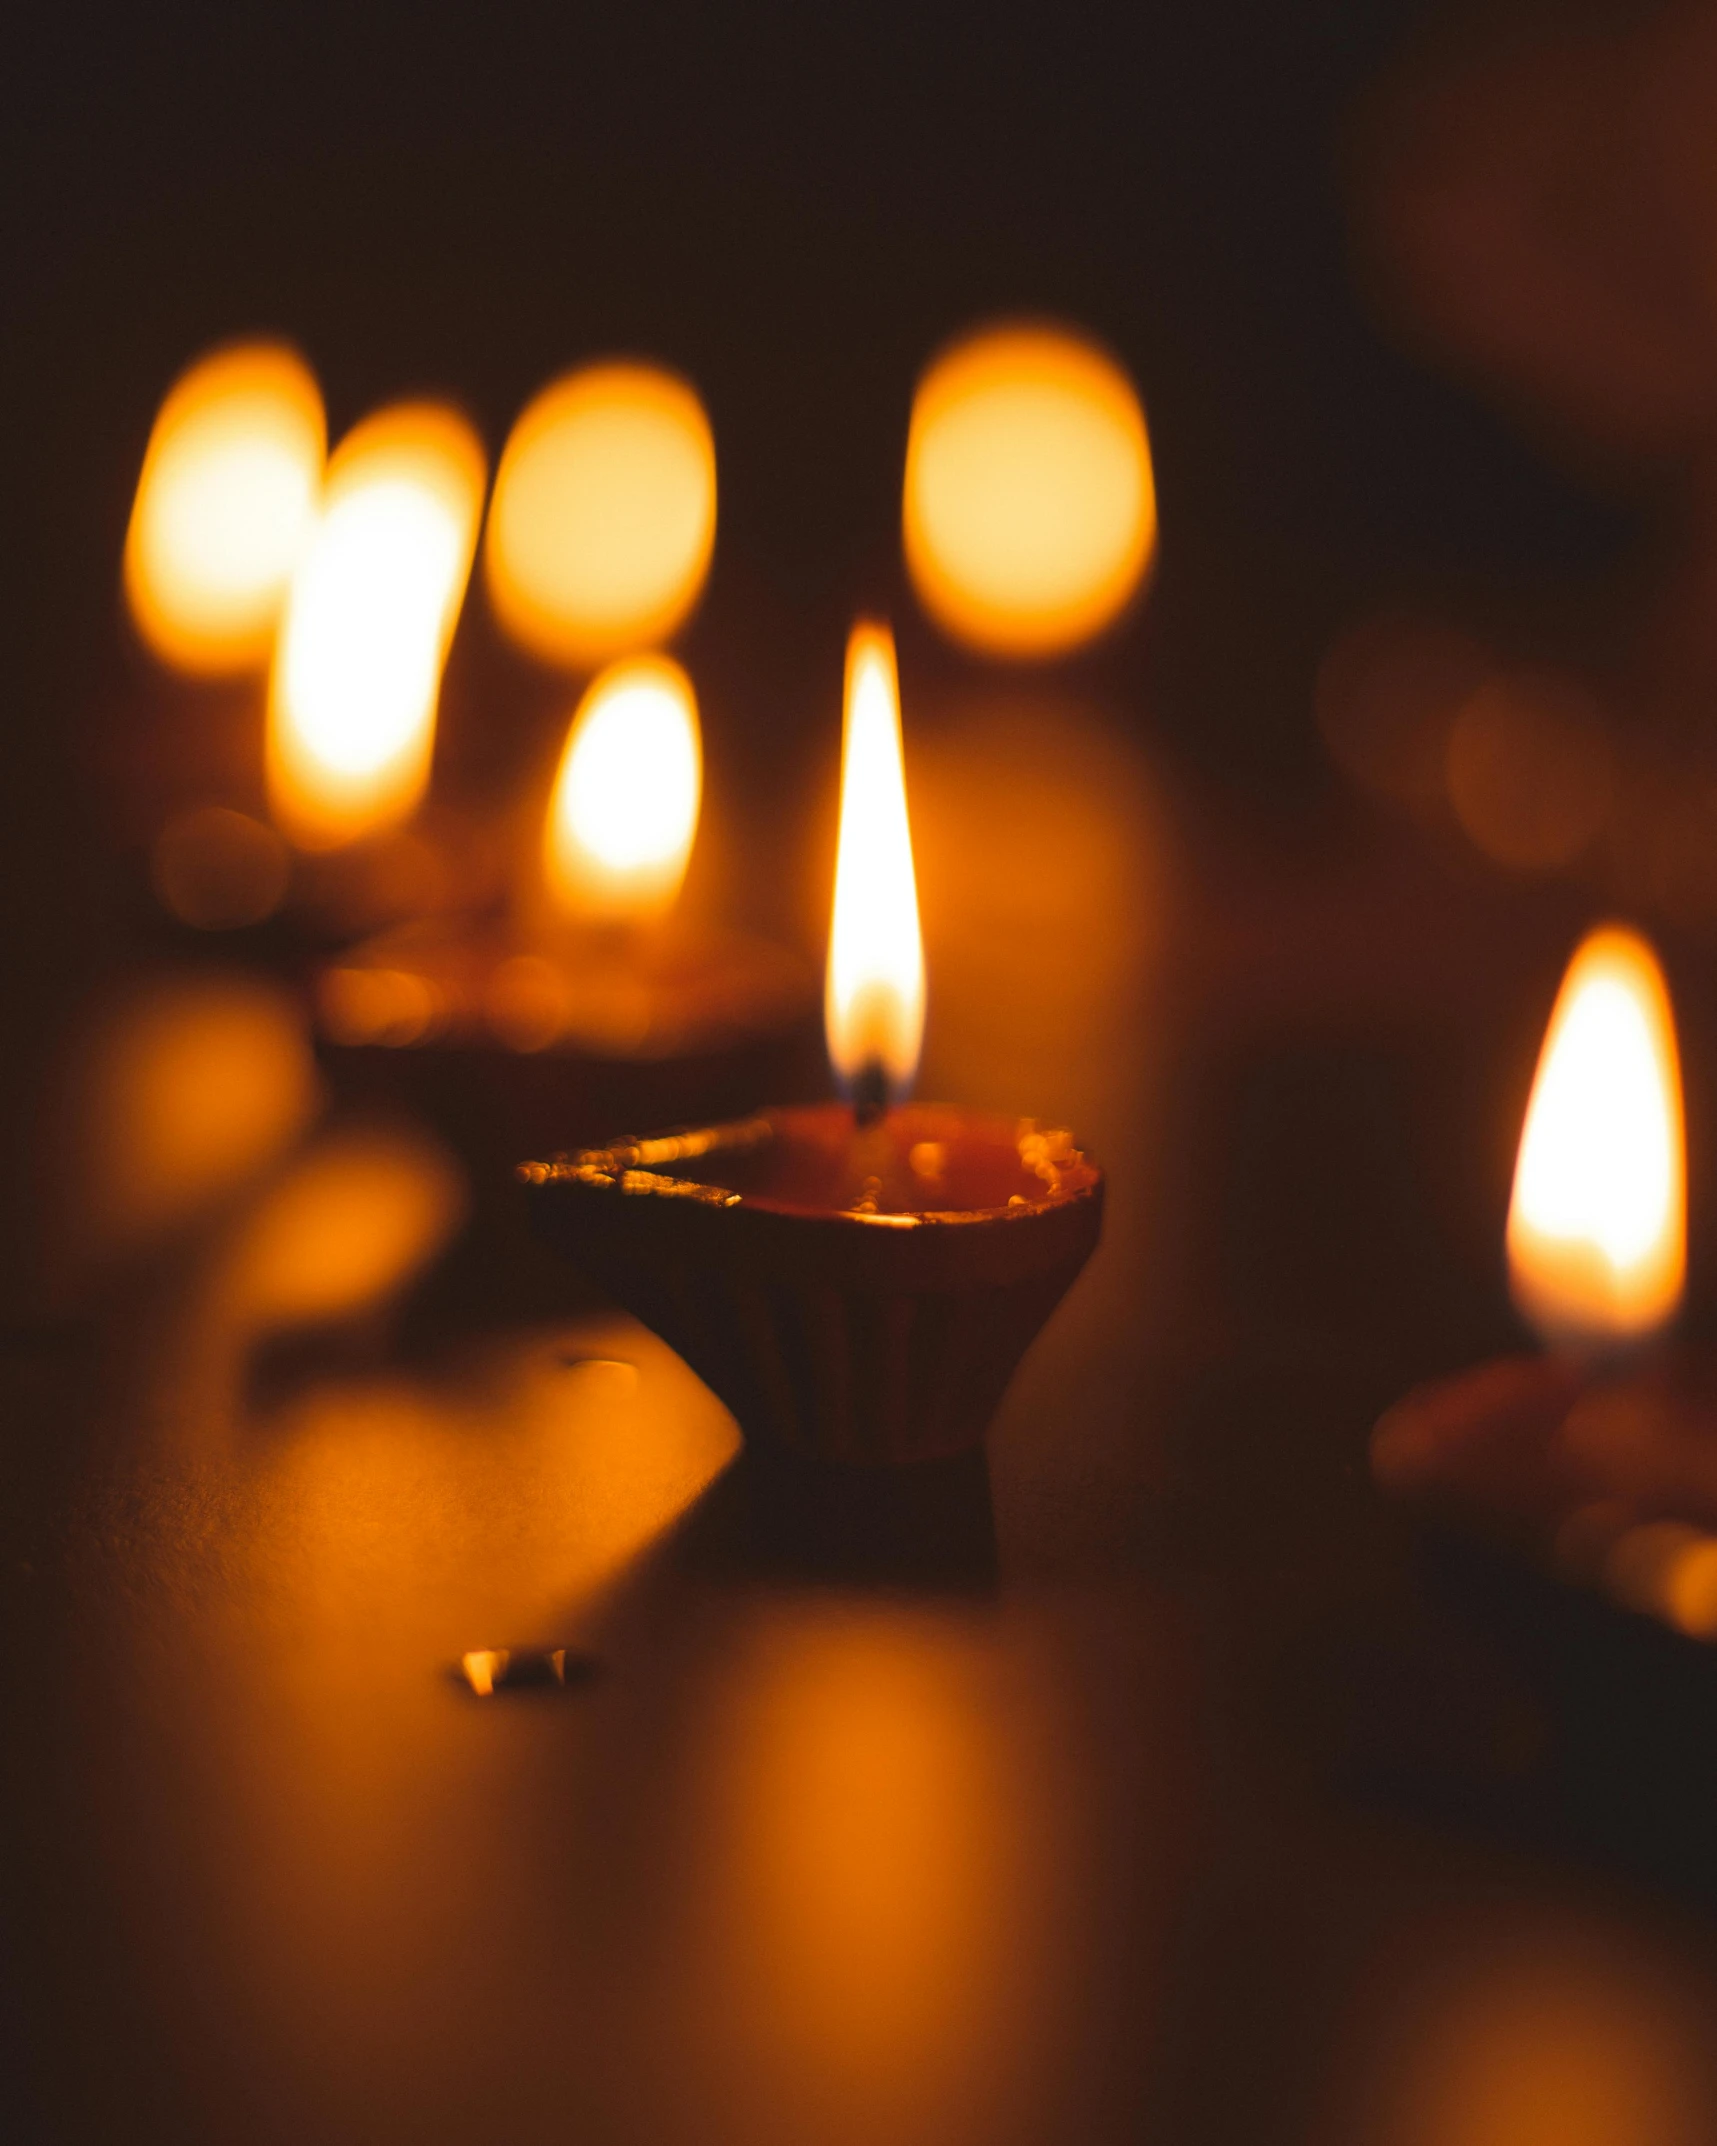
795,207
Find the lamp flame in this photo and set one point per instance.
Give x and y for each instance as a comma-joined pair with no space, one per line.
373,604
1029,509
625,803
603,519
1597,1228
225,502
873,1003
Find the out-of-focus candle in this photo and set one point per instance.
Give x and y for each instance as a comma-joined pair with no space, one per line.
624,808
873,1005
1029,508
373,604
604,515
1597,1228
225,504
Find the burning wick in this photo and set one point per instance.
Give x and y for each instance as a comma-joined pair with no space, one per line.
870,1092
923,1246
873,1003
1595,1441
1597,1226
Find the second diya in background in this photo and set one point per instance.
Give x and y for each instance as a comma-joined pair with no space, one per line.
1597,1455
591,999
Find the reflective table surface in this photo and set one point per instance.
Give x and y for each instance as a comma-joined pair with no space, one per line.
422,1724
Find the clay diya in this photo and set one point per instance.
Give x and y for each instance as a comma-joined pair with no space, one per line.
857,1282
586,995
861,1294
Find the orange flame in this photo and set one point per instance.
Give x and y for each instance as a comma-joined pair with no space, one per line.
625,802
1029,510
604,515
225,503
1597,1228
873,1003
357,673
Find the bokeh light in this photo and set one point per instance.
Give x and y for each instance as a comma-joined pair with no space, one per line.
225,503
187,1088
1530,770
373,605
1690,1587
604,515
218,870
347,1226
364,1004
624,808
1029,509
1560,2037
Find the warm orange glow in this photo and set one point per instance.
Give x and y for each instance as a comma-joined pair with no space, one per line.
189,1088
224,505
1030,509
873,1005
863,1926
218,870
376,1005
351,721
625,802
604,515
1560,2038
349,1224
1597,1228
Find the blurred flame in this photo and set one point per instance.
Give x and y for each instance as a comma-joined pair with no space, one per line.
225,503
604,515
625,803
1029,511
1597,1227
351,720
873,1005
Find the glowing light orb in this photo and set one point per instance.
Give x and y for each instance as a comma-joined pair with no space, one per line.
225,504
604,514
1029,510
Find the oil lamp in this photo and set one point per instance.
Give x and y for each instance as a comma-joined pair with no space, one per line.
590,992
1598,1432
856,1280
329,593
